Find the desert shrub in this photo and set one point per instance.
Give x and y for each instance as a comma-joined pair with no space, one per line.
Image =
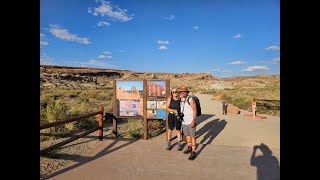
55,112
132,129
242,102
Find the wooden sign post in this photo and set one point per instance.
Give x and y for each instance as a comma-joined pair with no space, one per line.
254,108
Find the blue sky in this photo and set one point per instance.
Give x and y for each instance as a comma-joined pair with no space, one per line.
222,37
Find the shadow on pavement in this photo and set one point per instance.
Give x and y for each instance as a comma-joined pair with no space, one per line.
83,160
203,117
211,130
268,166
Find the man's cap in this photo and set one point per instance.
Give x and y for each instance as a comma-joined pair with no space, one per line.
183,88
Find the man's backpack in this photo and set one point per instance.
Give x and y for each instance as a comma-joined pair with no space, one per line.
196,99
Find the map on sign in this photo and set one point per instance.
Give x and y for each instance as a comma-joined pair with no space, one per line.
156,88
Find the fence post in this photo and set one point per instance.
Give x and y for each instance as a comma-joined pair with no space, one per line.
100,119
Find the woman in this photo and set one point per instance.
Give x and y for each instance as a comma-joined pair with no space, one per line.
173,106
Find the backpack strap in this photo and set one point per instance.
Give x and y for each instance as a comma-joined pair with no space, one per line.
188,100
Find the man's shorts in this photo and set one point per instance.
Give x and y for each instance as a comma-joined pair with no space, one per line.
188,130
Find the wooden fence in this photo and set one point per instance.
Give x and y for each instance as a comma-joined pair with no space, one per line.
78,118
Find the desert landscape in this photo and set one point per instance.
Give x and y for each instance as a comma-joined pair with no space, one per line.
72,91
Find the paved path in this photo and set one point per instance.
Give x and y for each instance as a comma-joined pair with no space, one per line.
224,152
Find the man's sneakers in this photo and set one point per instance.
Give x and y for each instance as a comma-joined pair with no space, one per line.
192,155
188,150
168,146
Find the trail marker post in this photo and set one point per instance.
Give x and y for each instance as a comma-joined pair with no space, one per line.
254,108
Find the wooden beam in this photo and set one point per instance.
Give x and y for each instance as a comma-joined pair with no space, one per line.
78,118
46,150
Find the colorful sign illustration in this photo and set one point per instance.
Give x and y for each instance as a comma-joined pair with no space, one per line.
161,104
152,114
130,108
152,104
156,88
129,98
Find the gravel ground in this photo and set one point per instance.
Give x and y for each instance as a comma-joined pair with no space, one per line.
69,152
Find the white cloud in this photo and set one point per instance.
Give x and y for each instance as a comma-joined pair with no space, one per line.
237,36
227,71
93,62
255,68
237,62
273,48
196,27
45,59
42,41
106,52
163,42
104,56
162,47
103,23
65,35
216,69
113,12
275,60
171,17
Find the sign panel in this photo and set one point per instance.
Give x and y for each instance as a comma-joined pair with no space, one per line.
129,95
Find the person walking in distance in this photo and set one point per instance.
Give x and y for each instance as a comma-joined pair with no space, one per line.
223,106
189,114
173,106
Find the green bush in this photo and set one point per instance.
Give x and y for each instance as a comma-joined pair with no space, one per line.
242,102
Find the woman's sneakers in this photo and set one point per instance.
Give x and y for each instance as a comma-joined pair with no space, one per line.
179,146
168,146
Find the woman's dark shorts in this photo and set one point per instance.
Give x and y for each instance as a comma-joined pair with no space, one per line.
173,122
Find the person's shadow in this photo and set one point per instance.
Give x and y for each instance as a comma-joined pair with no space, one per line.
268,167
212,129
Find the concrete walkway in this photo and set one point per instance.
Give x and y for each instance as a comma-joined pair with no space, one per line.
224,151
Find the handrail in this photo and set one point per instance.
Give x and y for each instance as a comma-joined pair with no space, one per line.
78,118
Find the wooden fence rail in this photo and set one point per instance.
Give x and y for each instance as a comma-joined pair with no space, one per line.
78,118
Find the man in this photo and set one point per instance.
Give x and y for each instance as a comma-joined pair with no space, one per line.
189,121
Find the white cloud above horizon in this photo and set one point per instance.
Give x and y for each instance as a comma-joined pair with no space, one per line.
171,17
104,56
64,34
227,71
237,62
106,52
103,23
162,48
273,48
255,68
46,60
106,9
163,42
276,60
237,36
42,41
